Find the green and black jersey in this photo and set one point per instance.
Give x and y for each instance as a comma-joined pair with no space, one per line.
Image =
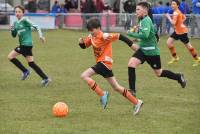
146,34
23,29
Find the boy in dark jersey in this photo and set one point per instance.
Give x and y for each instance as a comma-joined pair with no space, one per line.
102,46
148,50
22,28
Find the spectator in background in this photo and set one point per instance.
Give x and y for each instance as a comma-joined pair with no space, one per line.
99,5
43,5
88,7
74,4
116,6
129,8
61,14
168,10
31,6
158,10
185,9
55,7
68,5
196,18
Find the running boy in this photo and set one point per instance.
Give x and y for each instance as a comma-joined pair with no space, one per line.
102,47
180,33
22,28
148,50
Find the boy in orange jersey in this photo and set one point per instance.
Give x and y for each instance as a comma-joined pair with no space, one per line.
180,33
102,47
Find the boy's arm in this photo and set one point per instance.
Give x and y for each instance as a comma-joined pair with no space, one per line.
13,31
35,26
174,20
128,42
85,43
143,32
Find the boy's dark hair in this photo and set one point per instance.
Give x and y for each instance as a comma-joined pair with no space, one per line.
144,4
93,23
177,2
20,7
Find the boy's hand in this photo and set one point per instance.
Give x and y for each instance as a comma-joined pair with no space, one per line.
167,15
134,29
81,41
135,47
43,39
12,28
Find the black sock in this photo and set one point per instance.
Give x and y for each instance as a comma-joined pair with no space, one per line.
18,64
37,70
170,75
131,78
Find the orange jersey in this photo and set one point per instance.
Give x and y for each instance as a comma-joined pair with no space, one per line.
179,19
102,46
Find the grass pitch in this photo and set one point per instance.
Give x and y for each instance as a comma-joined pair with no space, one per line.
25,107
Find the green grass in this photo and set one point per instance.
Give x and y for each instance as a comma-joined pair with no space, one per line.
25,107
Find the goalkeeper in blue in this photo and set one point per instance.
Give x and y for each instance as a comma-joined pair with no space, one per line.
23,28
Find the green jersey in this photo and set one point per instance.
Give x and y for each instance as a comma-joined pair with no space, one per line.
146,34
23,29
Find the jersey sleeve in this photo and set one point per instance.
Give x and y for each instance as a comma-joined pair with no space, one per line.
87,41
111,36
13,30
144,31
35,26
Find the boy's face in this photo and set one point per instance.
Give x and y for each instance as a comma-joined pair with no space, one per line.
140,11
174,5
94,31
19,13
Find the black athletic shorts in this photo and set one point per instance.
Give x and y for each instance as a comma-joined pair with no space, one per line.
183,37
24,50
101,69
153,61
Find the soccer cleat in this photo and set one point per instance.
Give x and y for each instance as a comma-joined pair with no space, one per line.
25,75
182,80
45,82
196,62
104,99
173,60
138,107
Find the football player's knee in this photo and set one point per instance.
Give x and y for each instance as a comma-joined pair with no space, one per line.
131,64
83,76
10,57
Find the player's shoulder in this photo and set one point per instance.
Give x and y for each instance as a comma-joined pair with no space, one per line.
177,12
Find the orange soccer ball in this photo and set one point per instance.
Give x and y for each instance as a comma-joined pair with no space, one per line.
60,109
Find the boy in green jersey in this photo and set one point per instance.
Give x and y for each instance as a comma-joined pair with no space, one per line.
22,28
148,50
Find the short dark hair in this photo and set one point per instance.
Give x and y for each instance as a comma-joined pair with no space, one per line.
93,23
177,2
144,4
20,7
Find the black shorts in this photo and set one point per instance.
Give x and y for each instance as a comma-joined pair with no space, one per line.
153,61
24,50
101,69
183,37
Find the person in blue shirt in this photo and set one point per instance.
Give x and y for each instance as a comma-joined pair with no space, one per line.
61,14
158,10
185,9
55,7
196,18
168,10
